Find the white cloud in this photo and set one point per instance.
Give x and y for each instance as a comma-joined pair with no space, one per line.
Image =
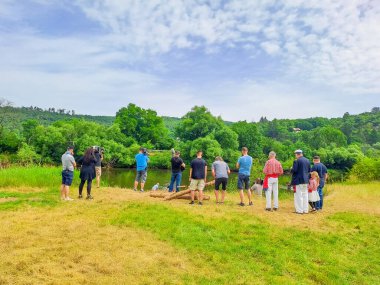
331,47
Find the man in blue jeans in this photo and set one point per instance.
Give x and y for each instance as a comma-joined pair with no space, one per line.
177,167
244,165
322,172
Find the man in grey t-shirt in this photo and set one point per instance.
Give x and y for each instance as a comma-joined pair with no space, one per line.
68,165
220,171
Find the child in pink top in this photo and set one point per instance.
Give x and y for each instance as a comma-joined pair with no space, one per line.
313,193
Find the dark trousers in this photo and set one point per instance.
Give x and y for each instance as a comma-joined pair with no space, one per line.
176,178
89,184
319,204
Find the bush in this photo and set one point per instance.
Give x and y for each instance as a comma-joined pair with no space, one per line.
26,155
366,169
160,159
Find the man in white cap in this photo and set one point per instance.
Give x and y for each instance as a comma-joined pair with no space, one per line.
300,179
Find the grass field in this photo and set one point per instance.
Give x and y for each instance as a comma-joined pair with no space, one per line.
123,237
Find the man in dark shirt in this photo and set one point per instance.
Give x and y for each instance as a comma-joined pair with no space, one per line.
198,174
321,169
177,167
300,179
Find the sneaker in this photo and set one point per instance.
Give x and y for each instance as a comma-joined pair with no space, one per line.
251,203
142,190
275,209
69,199
89,197
241,204
134,189
268,209
80,197
200,203
191,203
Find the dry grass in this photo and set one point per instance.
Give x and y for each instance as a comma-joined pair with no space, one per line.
6,200
68,245
74,243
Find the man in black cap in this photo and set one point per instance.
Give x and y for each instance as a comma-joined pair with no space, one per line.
300,179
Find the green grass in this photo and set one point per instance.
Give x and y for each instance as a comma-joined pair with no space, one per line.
242,251
229,245
48,198
30,176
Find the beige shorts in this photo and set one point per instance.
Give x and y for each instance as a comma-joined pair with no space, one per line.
98,171
197,184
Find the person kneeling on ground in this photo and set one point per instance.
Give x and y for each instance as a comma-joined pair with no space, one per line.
155,187
87,172
257,188
198,174
244,165
68,166
220,171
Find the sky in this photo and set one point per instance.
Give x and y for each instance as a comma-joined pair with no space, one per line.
242,59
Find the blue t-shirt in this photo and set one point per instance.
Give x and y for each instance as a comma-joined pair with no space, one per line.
245,163
141,161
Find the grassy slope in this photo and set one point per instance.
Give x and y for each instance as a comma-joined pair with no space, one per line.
124,237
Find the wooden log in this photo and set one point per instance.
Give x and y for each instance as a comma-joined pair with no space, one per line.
177,194
188,197
184,192
156,194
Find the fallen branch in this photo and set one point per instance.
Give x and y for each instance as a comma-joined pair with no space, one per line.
155,194
188,197
177,194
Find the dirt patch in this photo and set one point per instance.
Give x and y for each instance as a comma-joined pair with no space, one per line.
9,199
22,189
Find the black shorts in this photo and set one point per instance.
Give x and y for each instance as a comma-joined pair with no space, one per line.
222,181
67,177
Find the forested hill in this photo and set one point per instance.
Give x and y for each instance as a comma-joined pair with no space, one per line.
358,128
16,115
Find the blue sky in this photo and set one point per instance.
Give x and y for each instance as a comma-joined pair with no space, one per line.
241,59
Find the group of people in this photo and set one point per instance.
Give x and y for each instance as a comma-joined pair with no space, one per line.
307,181
90,162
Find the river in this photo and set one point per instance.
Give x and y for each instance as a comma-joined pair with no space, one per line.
125,178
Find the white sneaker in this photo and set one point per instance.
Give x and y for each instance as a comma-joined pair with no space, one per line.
69,199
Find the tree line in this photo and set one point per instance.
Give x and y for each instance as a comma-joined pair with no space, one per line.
340,142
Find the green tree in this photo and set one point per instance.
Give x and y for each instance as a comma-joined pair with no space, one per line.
210,147
198,123
324,137
227,138
143,125
249,136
